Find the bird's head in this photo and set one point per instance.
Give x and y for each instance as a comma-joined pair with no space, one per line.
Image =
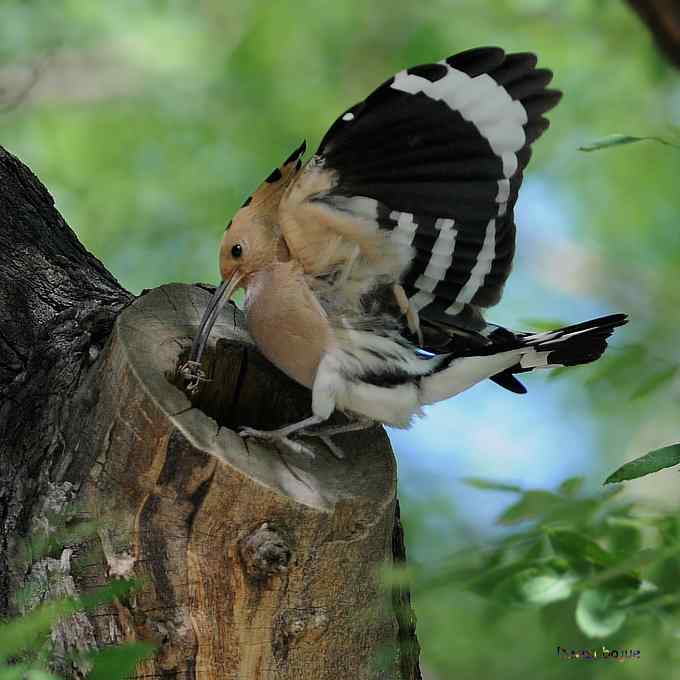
252,243
249,245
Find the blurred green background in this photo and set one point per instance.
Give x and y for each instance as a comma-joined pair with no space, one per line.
151,121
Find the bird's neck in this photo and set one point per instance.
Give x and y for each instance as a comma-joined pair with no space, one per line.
261,281
286,321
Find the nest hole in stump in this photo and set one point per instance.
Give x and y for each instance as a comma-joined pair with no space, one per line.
242,388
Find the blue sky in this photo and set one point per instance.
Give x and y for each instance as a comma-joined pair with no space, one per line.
538,439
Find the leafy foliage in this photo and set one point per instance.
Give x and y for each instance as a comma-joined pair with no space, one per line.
602,560
118,662
25,643
620,140
23,639
651,462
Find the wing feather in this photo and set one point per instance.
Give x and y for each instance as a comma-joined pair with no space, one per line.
423,176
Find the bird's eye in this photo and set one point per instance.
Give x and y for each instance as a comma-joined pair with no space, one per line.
236,250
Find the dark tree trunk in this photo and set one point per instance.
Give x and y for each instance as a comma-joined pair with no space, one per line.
663,20
57,307
254,563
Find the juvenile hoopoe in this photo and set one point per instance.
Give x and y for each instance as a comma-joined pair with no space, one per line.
367,269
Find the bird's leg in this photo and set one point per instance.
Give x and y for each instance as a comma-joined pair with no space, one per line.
411,313
355,425
282,434
325,433
333,447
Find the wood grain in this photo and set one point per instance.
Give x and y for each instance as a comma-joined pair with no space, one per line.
257,563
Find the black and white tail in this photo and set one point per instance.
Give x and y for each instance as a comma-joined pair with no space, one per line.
572,345
517,353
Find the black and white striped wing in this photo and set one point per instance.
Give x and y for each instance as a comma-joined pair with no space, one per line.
435,155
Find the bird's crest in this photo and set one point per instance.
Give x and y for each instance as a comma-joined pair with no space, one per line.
267,196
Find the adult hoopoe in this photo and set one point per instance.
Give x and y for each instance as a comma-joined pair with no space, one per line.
367,269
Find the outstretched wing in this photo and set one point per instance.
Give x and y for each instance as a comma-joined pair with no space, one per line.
432,160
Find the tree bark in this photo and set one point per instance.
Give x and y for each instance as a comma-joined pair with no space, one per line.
662,17
253,563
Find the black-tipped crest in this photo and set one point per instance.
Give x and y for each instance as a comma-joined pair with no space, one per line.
275,176
297,154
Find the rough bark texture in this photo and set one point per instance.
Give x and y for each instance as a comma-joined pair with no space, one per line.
663,20
255,563
57,307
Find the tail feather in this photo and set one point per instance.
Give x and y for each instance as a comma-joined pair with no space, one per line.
610,321
508,381
457,374
572,345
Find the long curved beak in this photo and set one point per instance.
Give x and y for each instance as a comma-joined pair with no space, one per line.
220,298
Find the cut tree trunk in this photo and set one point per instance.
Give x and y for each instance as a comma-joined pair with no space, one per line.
252,562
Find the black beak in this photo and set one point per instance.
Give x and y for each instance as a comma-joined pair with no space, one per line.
219,299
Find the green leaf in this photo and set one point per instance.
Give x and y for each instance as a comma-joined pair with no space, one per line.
113,663
640,596
39,674
619,140
654,382
490,485
28,632
548,587
112,590
596,614
577,546
536,585
651,462
570,487
15,672
532,505
41,545
622,574
486,580
669,530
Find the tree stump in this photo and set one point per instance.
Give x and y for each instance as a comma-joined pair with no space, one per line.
254,563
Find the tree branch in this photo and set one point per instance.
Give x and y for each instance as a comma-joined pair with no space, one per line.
662,17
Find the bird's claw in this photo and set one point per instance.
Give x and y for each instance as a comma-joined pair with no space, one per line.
192,372
277,438
333,447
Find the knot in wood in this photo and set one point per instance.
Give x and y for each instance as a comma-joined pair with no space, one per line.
264,552
310,624
294,625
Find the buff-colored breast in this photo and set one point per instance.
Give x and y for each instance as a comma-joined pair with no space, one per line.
286,321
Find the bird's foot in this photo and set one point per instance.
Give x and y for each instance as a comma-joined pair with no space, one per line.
277,437
353,425
192,372
325,434
332,447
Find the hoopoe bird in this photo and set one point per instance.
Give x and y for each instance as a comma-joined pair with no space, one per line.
367,269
